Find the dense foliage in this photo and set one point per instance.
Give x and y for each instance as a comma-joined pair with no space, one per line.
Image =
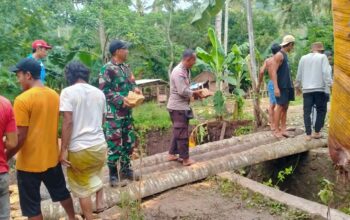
159,30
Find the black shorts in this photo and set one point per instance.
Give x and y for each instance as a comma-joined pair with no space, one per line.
29,188
286,95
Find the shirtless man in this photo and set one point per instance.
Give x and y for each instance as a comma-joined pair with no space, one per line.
283,85
267,66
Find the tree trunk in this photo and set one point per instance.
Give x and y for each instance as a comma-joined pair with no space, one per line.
103,40
339,126
218,26
253,67
170,67
226,26
253,140
177,177
209,155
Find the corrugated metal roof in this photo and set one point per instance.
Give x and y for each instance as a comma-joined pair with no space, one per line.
146,81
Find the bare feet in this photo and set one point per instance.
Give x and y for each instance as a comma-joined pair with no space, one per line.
172,157
188,162
317,135
277,134
308,138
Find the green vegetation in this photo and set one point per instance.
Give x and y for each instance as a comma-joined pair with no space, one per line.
326,194
159,31
151,116
255,200
281,177
298,101
243,130
131,209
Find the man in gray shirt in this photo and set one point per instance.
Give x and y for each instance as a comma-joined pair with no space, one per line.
314,77
179,107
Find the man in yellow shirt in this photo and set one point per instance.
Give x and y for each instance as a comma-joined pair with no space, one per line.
36,112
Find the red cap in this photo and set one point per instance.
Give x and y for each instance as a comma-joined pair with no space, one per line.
40,43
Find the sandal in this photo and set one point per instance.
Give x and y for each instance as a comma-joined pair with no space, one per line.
97,211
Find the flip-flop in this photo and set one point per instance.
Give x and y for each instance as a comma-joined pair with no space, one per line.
287,135
97,211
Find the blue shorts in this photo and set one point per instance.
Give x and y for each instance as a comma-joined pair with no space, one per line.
271,92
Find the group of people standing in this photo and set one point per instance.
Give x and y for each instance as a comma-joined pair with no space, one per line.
313,80
97,124
96,127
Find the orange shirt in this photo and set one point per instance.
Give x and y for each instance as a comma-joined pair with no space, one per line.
38,109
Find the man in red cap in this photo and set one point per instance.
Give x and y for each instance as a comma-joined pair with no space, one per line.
40,48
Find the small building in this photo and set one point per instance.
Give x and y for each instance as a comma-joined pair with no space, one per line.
154,89
204,80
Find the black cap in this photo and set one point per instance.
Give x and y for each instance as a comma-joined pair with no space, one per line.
27,64
116,45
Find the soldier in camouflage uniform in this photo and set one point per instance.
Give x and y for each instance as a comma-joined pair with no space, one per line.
116,80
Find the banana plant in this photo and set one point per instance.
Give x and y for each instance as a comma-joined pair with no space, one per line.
207,10
228,69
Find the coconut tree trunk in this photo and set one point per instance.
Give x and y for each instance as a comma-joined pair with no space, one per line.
103,39
177,177
218,26
170,67
251,140
339,128
226,26
253,67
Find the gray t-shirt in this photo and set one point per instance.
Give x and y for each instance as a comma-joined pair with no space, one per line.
180,92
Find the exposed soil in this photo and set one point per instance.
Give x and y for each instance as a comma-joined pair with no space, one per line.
158,141
201,201
215,127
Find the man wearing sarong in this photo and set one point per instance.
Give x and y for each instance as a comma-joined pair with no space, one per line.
83,108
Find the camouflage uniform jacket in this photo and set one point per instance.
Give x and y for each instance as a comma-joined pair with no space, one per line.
116,80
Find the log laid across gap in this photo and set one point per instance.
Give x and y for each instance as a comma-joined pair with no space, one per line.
255,139
201,170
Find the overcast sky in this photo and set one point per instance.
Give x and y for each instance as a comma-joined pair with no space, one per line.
181,5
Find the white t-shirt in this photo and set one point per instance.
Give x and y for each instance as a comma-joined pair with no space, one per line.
88,106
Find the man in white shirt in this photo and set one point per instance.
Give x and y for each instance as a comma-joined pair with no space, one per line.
314,78
83,107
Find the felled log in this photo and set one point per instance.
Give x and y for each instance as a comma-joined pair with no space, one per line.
254,139
201,170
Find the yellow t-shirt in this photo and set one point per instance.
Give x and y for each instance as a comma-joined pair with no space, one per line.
38,109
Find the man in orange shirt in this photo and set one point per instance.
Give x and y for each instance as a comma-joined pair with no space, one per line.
37,114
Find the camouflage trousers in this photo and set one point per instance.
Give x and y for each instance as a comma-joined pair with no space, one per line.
120,137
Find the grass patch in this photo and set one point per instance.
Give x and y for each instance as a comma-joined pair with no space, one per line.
131,209
255,200
151,116
243,130
298,101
